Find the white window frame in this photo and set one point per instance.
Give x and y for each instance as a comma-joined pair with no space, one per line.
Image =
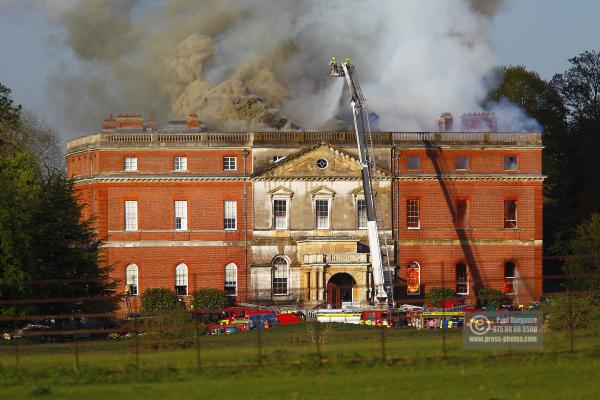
227,160
466,278
180,209
357,207
132,279
418,214
180,163
131,215
281,271
276,159
286,201
328,200
181,279
231,279
230,213
130,164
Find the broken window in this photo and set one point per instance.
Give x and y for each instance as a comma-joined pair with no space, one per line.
462,213
230,219
510,214
462,280
181,280
511,163
413,278
230,279
510,271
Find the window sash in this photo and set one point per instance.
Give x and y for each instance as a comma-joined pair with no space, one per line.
462,279
181,280
280,214
413,220
181,215
280,277
510,214
130,164
180,163
322,213
132,279
229,163
230,280
230,215
361,213
131,216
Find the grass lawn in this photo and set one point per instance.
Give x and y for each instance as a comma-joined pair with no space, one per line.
351,368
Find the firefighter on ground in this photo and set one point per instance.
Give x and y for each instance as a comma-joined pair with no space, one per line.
333,64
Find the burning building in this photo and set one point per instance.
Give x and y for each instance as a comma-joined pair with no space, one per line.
279,217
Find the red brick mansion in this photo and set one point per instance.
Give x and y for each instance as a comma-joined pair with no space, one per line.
279,217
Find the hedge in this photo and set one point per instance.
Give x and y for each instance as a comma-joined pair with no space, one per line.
159,299
208,299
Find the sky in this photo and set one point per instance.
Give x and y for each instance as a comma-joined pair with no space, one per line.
539,34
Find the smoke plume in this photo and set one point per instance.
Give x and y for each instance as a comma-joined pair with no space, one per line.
253,64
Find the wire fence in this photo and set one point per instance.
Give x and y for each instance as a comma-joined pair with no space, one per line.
179,339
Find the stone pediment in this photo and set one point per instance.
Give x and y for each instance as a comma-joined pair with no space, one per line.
281,191
321,162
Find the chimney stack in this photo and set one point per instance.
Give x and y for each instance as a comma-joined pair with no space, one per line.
445,122
479,122
193,122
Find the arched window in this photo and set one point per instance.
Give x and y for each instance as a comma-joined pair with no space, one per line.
510,276
131,279
181,280
462,279
413,278
281,272
230,279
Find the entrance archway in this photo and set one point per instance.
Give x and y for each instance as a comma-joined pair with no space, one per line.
339,289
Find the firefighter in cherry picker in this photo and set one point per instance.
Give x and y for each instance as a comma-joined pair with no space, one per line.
333,65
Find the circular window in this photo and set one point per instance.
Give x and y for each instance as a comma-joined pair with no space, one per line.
322,163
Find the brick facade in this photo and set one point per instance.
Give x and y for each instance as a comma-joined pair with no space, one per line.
481,241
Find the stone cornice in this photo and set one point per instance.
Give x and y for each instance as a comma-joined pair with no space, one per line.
471,177
160,178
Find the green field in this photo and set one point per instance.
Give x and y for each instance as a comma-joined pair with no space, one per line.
352,364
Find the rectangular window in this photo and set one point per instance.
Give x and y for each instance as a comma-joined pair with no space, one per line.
230,280
276,159
229,163
180,164
131,216
462,280
462,163
511,163
230,220
361,213
510,214
280,215
412,214
181,215
130,164
462,213
413,163
322,213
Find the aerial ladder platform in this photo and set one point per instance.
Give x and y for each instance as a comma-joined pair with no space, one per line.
382,278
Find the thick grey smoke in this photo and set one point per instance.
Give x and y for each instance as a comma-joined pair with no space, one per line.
254,64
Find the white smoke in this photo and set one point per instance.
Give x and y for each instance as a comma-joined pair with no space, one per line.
253,64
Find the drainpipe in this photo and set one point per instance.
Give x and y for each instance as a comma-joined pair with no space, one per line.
245,156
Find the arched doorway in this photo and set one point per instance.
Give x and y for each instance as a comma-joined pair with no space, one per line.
339,289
